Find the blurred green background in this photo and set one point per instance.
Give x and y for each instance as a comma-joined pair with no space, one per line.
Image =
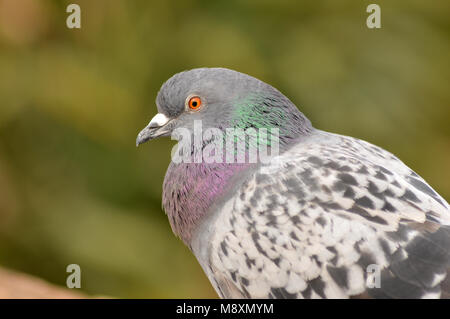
73,186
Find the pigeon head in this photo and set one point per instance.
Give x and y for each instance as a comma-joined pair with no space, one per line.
222,98
219,99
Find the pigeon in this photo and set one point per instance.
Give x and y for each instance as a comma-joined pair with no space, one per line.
324,216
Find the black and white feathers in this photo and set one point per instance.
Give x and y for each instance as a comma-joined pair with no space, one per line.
321,220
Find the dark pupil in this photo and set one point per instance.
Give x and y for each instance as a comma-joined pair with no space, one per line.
194,103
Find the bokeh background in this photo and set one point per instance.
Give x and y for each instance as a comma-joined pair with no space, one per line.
73,186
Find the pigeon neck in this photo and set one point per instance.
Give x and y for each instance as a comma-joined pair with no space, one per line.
190,189
270,110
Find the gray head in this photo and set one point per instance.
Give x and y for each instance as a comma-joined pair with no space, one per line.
222,98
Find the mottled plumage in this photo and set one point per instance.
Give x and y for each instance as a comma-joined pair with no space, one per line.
309,223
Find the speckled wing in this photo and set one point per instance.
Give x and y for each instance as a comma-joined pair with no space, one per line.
322,220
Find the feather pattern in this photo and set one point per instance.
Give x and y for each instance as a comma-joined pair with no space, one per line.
320,218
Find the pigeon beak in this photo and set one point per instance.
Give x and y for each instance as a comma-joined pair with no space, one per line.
153,129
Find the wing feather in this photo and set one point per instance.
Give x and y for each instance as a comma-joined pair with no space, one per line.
312,222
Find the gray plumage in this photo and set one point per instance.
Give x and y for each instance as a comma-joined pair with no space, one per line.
313,221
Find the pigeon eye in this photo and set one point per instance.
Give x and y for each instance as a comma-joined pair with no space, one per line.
195,103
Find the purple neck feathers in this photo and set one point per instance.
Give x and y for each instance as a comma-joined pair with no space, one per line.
190,189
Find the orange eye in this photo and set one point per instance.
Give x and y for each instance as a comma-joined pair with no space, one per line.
194,103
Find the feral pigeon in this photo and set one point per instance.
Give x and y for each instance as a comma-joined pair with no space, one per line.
324,216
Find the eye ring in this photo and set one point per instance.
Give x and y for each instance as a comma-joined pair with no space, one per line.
194,103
